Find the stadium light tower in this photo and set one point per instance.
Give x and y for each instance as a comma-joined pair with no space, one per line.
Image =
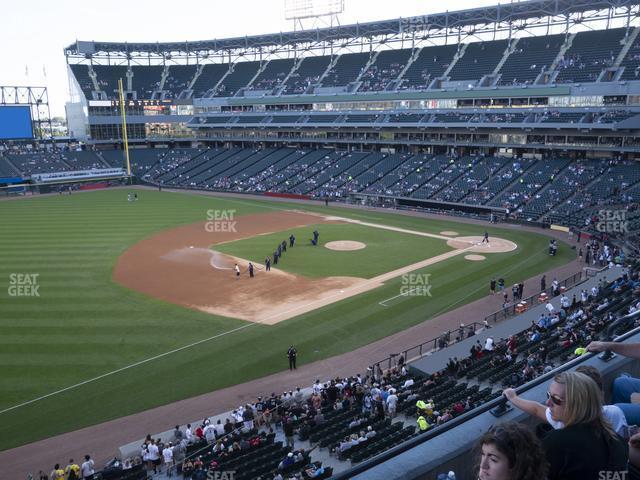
318,13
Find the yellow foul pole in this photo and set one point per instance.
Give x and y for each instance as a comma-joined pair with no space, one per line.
125,139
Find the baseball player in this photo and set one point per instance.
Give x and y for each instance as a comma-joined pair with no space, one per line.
250,270
292,240
267,264
237,269
486,237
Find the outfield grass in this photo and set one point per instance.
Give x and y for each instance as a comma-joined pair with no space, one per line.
385,250
84,325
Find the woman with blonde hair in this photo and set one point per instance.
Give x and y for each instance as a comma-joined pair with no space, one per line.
587,445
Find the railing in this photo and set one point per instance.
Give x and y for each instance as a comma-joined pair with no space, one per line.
442,341
533,300
447,338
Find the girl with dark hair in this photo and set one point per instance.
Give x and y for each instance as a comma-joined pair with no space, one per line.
510,451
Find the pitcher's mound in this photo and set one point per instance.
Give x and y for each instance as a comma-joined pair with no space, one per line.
474,244
345,245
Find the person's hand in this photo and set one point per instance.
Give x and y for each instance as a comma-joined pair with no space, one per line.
634,441
509,393
596,347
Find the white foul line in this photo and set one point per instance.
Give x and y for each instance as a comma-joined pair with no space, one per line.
401,295
126,368
430,261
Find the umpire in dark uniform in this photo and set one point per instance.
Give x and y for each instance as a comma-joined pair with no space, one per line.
267,264
292,240
292,353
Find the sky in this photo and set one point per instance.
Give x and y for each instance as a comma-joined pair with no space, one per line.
34,33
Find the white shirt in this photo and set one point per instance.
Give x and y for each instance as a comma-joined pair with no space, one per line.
87,468
167,453
549,307
611,412
154,454
488,345
392,401
209,433
408,383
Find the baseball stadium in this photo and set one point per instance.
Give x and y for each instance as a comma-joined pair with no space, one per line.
343,251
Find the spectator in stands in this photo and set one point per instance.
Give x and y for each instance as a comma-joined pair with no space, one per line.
177,434
286,462
611,412
488,345
167,457
626,389
288,432
587,444
445,417
510,451
370,432
392,403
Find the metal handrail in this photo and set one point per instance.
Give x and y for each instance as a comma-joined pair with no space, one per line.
533,300
435,344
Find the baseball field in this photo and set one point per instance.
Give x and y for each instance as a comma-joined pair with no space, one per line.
110,307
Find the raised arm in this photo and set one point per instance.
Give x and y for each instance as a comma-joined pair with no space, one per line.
535,409
631,350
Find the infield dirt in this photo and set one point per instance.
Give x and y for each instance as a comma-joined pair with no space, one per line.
181,266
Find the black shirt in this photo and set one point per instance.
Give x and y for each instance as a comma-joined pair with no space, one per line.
581,452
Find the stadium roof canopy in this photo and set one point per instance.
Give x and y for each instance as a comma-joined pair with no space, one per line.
511,13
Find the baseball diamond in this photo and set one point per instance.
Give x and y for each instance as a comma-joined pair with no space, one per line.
381,243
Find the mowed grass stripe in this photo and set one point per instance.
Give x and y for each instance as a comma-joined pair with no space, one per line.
92,229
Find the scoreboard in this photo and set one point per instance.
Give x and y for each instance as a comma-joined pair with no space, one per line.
15,122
